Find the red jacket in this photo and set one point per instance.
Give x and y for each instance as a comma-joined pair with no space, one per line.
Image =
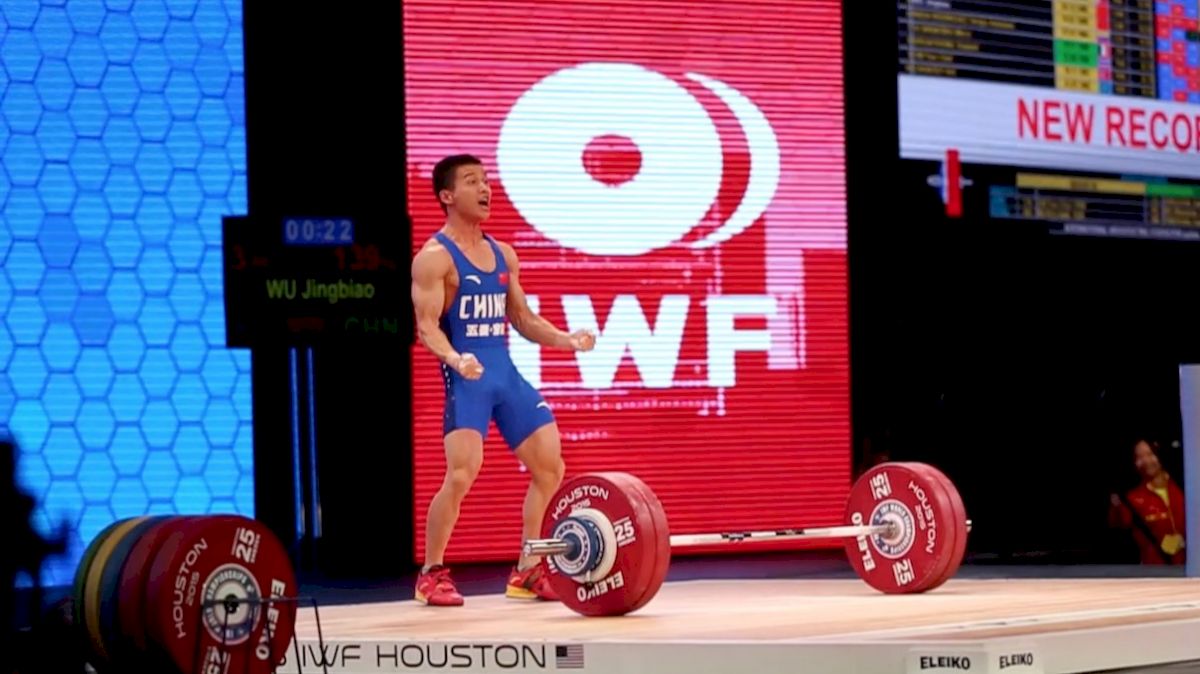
1160,518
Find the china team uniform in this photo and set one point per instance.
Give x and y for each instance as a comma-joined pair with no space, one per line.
476,323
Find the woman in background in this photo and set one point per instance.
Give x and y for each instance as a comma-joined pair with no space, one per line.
1154,509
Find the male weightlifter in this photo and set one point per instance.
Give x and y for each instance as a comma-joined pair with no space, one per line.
466,290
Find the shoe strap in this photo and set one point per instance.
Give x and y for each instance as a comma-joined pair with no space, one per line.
444,581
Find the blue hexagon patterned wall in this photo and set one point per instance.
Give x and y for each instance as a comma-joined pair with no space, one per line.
122,143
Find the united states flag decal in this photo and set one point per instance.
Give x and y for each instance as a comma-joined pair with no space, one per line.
569,656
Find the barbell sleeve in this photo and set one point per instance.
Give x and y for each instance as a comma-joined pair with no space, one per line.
546,547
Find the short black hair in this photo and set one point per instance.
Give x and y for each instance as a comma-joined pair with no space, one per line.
446,169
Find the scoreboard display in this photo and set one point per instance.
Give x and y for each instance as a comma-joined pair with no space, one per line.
1094,105
309,280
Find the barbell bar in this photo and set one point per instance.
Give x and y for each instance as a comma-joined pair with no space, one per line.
541,547
554,546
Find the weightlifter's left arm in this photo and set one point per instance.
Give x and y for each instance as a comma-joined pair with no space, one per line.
532,326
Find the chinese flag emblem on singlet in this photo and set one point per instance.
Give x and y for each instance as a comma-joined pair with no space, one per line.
503,278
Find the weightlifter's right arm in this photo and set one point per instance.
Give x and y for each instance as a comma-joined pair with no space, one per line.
429,295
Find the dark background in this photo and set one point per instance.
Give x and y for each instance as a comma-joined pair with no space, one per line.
1020,362
325,135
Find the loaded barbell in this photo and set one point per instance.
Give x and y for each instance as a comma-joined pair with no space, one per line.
607,546
185,594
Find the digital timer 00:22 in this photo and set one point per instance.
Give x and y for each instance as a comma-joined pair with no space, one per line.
318,231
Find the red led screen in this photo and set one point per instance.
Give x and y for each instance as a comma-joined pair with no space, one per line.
673,179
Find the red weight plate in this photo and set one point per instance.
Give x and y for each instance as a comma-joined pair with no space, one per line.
161,576
943,527
131,622
211,559
661,533
634,565
919,555
110,596
958,523
663,537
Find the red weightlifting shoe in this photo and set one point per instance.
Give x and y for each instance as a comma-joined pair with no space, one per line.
436,588
532,583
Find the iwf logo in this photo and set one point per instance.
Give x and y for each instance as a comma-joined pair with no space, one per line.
674,173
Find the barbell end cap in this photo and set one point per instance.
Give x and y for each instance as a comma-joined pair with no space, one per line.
968,526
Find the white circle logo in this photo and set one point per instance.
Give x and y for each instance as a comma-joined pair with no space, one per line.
231,595
900,517
675,180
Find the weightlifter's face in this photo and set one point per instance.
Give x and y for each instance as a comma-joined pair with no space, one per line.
471,195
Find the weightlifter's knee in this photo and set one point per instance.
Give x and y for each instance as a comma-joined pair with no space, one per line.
458,482
549,472
464,458
541,453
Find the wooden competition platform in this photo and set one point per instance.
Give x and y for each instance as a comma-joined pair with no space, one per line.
766,626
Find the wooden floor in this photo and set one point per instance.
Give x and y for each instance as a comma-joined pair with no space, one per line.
785,611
